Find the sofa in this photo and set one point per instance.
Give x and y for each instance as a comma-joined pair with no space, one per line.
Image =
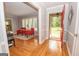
25,31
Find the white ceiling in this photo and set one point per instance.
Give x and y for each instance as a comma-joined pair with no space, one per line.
18,9
50,4
21,9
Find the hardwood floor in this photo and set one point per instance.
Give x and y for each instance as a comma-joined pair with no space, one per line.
32,48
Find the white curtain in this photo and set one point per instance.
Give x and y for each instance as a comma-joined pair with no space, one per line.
23,22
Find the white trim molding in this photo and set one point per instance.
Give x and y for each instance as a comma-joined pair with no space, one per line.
68,49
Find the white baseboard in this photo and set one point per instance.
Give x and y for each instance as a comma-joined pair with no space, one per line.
43,40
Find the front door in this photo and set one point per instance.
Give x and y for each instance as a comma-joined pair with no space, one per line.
55,26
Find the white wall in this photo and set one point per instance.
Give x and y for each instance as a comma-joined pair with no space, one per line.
3,37
15,24
71,29
42,24
76,39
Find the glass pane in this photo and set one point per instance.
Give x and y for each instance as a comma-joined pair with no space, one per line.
35,23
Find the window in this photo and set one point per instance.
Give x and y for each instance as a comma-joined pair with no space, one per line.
23,22
30,22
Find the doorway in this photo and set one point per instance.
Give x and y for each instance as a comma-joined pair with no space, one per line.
55,26
56,32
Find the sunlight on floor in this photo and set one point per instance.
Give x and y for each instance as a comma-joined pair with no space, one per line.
52,45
